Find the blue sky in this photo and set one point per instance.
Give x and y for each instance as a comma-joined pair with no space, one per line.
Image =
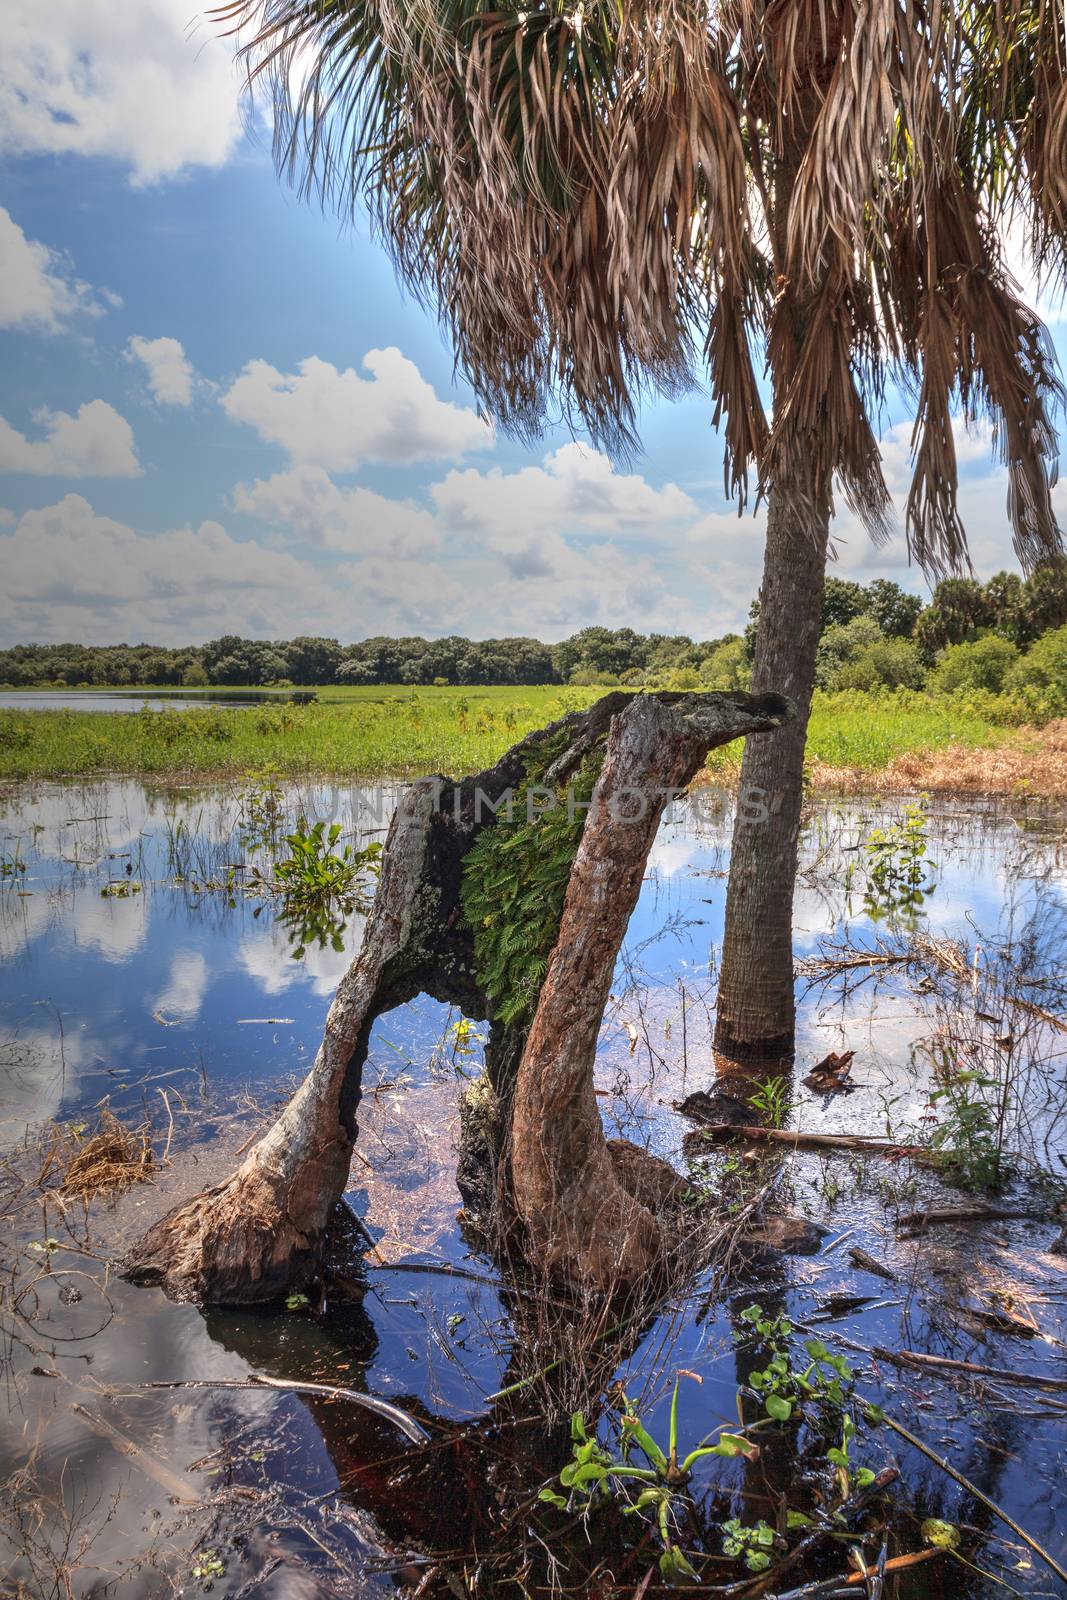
219,413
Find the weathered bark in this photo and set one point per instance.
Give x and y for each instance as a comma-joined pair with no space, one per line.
583,1206
755,1010
755,1015
261,1232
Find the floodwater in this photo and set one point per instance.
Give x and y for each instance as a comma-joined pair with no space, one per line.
121,700
136,972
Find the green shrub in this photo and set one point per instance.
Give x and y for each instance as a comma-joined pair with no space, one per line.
1043,668
978,664
883,664
727,667
16,732
840,645
585,677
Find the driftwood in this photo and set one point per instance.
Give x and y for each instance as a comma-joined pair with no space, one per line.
799,1140
919,1359
863,1259
919,1221
589,1210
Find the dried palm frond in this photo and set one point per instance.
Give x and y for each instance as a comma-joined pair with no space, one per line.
593,192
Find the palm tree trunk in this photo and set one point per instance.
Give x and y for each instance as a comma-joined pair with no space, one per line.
755,1015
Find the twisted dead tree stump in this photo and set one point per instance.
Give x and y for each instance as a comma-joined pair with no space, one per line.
540,979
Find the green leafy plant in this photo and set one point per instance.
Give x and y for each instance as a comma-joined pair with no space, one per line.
771,1100
848,1475
780,1385
261,813
898,876
752,1544
966,1135
208,1566
320,885
594,1472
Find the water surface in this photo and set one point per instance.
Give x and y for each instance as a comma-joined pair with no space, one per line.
134,970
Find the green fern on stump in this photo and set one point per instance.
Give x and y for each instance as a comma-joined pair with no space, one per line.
514,881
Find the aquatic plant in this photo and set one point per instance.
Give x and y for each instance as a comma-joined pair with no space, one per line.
898,877
771,1100
778,1383
594,1471
968,1132
320,886
752,1544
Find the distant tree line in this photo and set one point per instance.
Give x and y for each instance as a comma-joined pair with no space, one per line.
873,636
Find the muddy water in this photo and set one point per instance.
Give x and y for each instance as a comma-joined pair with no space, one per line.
136,971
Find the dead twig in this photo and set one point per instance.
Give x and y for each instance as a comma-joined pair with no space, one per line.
863,1259
918,1359
369,1402
800,1140
919,1220
168,1481
972,1488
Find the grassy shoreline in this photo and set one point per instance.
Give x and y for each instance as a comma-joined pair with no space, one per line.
855,739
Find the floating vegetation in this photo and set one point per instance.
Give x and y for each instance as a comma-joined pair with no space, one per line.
321,886
120,889
107,1161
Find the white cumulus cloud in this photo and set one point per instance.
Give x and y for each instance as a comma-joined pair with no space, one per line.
337,419
576,490
72,574
97,443
37,288
148,84
307,501
168,369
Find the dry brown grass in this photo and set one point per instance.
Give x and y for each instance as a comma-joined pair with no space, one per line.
109,1161
1032,761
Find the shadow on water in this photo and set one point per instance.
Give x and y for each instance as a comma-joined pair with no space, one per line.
180,1004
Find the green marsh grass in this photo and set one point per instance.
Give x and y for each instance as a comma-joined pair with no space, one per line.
374,732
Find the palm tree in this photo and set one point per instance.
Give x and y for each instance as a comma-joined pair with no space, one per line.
604,196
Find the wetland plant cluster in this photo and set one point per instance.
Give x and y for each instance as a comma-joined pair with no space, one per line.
796,1390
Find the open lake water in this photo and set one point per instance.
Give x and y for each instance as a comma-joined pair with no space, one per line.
135,972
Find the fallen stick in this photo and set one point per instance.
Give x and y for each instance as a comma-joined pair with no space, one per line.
972,1488
862,1258
917,1358
1038,1011
369,1402
923,1219
168,1481
816,1141
851,1580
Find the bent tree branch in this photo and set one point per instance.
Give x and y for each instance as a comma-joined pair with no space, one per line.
260,1234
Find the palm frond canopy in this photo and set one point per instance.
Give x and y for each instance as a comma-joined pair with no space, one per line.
603,195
